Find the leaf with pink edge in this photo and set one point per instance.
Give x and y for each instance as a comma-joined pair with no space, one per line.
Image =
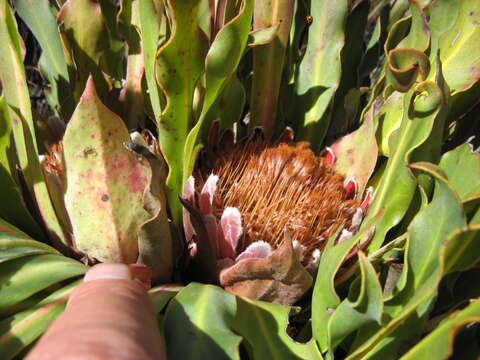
105,182
356,153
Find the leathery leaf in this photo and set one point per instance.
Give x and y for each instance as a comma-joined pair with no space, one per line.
458,42
462,167
214,323
87,35
200,316
320,69
325,298
397,185
438,344
428,237
23,328
268,61
351,315
179,67
105,182
220,64
39,17
17,100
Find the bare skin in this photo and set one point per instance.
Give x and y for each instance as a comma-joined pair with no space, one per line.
108,316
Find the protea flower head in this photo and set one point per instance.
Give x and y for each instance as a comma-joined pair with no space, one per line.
267,212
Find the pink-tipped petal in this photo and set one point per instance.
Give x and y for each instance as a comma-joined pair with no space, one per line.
350,186
189,190
314,261
231,230
206,196
329,156
192,249
189,196
258,249
344,236
367,199
356,220
187,226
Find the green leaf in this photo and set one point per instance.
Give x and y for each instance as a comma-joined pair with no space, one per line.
13,208
263,36
397,186
22,277
404,66
212,322
197,324
6,142
268,62
320,69
17,245
351,315
462,167
389,119
105,182
263,326
150,13
22,329
346,104
438,344
419,36
87,34
459,52
179,67
15,91
325,298
131,95
5,227
228,107
38,16
220,64
424,264
464,254
161,295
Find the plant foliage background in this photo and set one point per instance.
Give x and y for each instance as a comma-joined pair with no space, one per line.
399,78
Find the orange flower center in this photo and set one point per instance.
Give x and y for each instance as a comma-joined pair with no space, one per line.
283,186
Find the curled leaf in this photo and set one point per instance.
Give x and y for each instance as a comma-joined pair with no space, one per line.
404,66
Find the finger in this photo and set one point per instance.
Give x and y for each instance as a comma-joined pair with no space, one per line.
108,316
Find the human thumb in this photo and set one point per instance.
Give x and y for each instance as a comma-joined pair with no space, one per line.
108,316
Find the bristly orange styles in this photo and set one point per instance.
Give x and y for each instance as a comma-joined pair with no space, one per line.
267,213
285,186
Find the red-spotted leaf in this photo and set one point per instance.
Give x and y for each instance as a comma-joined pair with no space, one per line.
105,182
